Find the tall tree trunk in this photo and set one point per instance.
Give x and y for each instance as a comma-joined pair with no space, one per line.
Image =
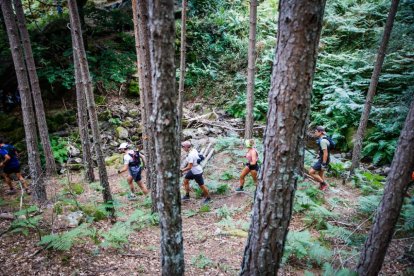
82,117
166,136
299,30
182,65
35,88
356,153
29,123
88,90
375,248
251,68
143,33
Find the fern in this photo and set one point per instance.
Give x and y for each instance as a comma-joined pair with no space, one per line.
406,223
65,241
368,204
117,235
337,232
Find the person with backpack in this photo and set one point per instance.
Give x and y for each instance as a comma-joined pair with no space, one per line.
132,163
11,165
325,144
193,170
251,166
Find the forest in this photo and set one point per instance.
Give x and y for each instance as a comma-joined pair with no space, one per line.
207,137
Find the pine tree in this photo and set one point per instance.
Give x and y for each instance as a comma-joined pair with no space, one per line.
88,90
356,153
29,123
251,68
166,135
182,63
381,233
300,24
35,89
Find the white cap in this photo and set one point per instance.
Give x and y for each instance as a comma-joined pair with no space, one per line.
123,146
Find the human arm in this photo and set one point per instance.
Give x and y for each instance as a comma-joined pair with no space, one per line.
144,160
6,159
124,169
187,168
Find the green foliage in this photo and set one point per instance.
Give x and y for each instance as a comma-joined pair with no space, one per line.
204,208
338,169
368,204
317,216
64,241
406,223
225,212
302,246
59,149
75,188
115,121
369,183
201,261
117,236
26,220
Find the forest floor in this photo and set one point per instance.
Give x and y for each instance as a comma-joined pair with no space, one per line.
214,235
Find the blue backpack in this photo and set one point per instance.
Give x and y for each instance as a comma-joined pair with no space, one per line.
332,143
136,159
11,150
200,158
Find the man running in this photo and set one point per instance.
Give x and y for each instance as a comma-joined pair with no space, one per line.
11,165
194,171
132,163
317,170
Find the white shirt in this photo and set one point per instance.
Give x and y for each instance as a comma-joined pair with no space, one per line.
127,159
192,158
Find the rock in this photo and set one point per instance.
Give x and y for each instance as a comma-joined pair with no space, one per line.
105,115
189,133
231,133
121,133
387,170
135,138
123,109
75,160
371,167
114,144
134,113
115,159
75,167
74,218
127,124
73,151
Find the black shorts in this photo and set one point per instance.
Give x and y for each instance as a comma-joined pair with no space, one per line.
197,177
135,172
318,165
254,167
11,170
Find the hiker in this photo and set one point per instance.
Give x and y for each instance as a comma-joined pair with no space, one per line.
11,165
251,166
317,170
132,163
194,171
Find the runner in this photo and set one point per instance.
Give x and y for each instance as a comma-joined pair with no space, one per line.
325,144
251,166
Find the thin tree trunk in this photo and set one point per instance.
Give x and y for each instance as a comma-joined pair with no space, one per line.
146,90
82,117
182,64
379,238
37,185
166,136
300,24
251,68
88,90
35,88
356,153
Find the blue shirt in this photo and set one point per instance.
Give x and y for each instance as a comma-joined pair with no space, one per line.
12,163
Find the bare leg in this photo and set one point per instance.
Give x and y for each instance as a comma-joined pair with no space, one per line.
321,175
131,184
315,175
8,181
186,185
243,174
22,180
205,191
143,187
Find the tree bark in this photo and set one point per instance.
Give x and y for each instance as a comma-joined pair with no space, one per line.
300,24
356,153
35,88
143,33
82,117
161,14
182,64
37,185
379,238
251,68
88,90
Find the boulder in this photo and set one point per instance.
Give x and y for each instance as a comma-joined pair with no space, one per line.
73,151
121,132
74,218
189,133
123,109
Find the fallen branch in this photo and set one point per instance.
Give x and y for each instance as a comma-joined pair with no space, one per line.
7,216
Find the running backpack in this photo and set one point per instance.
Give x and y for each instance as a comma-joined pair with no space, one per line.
136,159
200,158
11,150
332,143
